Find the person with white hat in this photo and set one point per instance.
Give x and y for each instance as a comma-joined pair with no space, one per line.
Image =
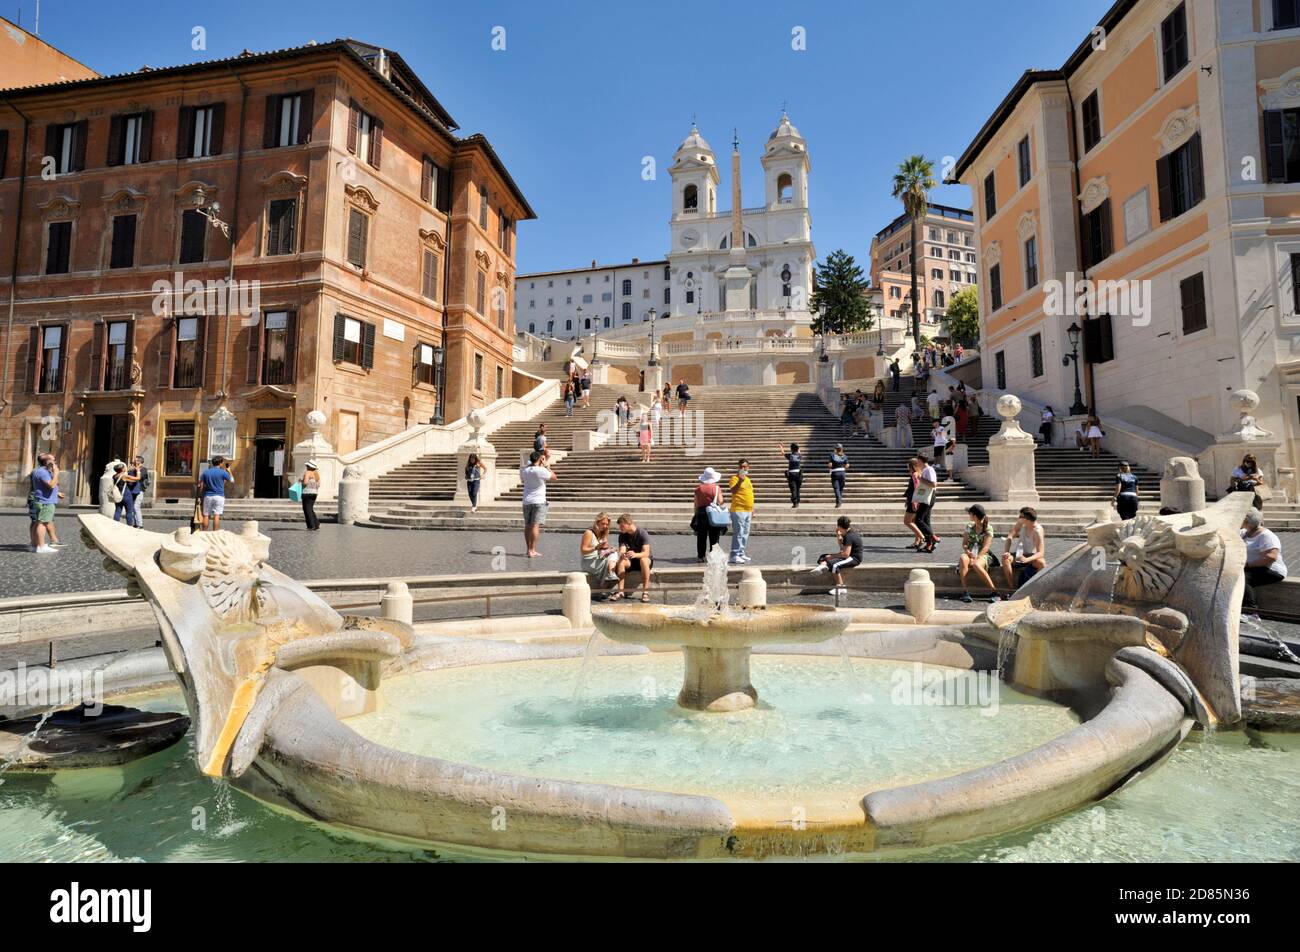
708,496
310,481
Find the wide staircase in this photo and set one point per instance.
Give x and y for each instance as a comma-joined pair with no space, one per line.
749,422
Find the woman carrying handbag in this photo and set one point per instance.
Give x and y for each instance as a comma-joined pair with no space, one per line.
310,481
710,518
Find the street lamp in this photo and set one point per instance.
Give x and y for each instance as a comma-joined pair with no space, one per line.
439,363
880,331
1075,333
653,361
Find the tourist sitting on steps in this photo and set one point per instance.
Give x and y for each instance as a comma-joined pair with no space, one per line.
1246,478
975,554
598,556
849,555
633,552
1024,554
1264,562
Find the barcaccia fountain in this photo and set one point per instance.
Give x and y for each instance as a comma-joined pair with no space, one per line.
1135,631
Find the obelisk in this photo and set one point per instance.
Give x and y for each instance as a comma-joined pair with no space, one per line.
737,276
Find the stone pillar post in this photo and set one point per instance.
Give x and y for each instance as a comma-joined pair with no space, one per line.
654,378
918,595
397,603
1011,458
354,496
315,447
1181,487
487,454
1226,453
577,600
753,590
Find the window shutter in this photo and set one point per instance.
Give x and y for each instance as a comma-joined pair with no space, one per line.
364,234
444,189
354,125
255,334
65,352
1164,189
165,337
272,231
289,229
52,142
376,142
305,116
1086,253
271,125
130,346
218,137
430,275
1106,248
114,156
1195,170
415,364
185,133
4,150
79,146
146,135
339,321
367,345
290,346
206,326
426,179
97,356
1274,146
33,356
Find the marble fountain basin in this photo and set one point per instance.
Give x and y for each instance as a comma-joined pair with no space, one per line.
272,676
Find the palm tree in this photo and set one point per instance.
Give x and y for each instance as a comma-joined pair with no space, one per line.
912,183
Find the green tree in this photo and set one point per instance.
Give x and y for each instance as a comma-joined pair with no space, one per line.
912,183
963,317
839,297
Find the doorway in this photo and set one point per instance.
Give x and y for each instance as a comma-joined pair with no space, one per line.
111,441
268,459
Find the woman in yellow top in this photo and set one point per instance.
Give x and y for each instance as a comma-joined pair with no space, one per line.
742,511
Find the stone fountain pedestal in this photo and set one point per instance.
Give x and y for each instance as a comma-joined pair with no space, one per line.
717,644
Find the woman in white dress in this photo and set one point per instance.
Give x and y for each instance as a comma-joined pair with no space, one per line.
1095,434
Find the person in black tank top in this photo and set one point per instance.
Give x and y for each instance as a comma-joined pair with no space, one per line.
793,471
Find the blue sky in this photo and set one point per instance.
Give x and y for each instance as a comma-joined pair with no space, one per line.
584,90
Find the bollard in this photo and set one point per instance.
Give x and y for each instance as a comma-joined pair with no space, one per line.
918,595
753,590
577,600
397,603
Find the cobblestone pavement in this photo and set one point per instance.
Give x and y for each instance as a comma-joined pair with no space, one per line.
356,552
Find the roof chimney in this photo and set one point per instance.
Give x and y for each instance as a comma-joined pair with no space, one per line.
636,260
593,262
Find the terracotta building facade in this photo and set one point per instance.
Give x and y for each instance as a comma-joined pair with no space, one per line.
948,264
1161,163
270,234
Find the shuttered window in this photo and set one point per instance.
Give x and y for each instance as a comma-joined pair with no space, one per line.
1022,155
995,287
354,341
1180,179
429,285
1091,122
277,336
130,138
1096,232
1286,14
424,364
194,237
282,226
990,196
58,249
1295,283
201,131
122,254
1282,144
1191,292
1031,263
1036,355
65,143
117,339
288,120
1173,42
1098,340
480,293
187,368
358,227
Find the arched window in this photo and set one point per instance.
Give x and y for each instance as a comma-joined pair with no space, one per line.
587,324
532,328
690,199
667,272
627,287
627,310
568,325
938,299
784,188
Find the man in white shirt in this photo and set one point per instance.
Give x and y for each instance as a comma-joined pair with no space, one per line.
1264,562
923,499
534,476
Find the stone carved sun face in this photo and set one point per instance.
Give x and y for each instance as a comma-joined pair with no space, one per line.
1147,551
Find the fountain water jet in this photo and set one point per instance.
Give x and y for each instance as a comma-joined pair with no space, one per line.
716,640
